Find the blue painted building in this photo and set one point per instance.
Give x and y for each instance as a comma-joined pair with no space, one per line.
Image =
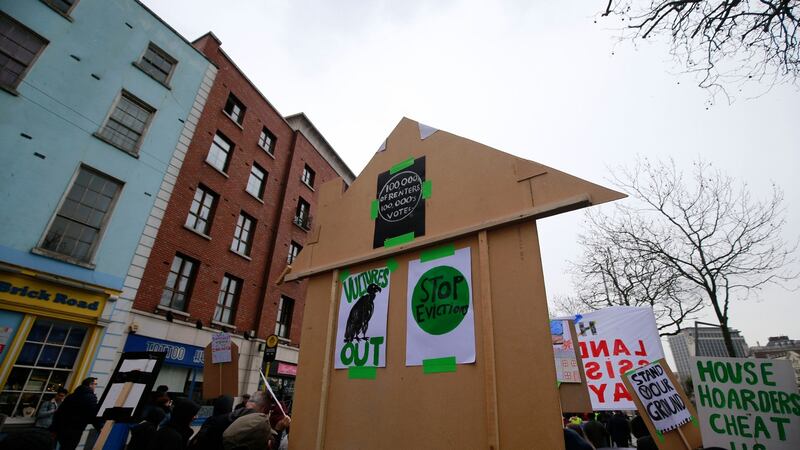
98,102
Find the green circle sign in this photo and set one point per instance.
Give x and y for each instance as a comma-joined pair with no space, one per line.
440,300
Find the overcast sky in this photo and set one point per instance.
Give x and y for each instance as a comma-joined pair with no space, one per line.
541,80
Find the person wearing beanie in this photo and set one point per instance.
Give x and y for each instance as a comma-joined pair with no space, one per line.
176,433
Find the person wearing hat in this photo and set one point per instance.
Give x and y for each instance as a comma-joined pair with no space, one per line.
252,431
176,433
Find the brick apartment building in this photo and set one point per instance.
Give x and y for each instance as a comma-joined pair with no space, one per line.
241,210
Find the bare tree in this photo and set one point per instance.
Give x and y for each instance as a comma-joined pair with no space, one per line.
612,272
698,235
724,40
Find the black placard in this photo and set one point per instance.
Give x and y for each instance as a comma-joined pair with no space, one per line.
119,377
401,206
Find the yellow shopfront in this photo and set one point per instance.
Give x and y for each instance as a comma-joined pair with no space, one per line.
49,333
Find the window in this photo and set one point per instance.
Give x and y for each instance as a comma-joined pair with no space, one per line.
126,124
308,176
235,109
19,47
202,210
179,282
157,63
62,6
256,182
243,235
44,364
283,325
267,141
228,298
294,250
220,152
302,218
80,220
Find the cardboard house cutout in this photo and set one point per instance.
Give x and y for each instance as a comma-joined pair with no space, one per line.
428,192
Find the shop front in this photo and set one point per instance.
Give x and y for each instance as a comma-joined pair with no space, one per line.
49,333
182,371
281,379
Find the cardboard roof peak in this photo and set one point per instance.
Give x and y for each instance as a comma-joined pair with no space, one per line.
473,187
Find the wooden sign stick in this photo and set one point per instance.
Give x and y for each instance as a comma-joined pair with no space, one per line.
683,438
106,430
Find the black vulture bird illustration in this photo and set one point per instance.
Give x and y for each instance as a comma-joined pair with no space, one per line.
358,320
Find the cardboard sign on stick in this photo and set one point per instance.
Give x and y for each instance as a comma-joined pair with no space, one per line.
747,403
221,378
664,406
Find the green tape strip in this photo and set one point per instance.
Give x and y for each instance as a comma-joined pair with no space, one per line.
373,210
439,365
558,384
436,253
401,165
694,421
399,240
426,189
362,373
343,274
392,264
660,436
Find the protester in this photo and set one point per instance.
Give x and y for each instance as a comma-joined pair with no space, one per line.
143,433
210,435
620,429
574,441
243,404
75,412
30,439
44,417
176,433
578,429
252,430
596,433
646,443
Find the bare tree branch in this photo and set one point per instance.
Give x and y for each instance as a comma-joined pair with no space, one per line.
682,243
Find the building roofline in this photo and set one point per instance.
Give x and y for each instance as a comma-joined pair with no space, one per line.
337,163
150,11
337,160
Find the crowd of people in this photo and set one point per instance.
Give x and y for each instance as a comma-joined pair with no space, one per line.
257,423
606,430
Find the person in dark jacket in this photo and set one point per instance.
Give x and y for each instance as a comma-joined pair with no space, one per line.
143,433
574,441
596,433
76,411
210,435
620,429
176,433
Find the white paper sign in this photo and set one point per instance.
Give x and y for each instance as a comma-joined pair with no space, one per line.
747,403
361,330
142,365
135,394
220,348
440,319
660,400
613,341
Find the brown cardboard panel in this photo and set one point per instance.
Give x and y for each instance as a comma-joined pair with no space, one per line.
471,184
481,198
219,379
672,440
575,396
526,376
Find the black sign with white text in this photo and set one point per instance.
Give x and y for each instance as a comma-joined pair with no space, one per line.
400,202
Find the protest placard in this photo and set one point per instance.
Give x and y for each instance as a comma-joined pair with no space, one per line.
564,352
220,348
613,341
747,404
363,310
